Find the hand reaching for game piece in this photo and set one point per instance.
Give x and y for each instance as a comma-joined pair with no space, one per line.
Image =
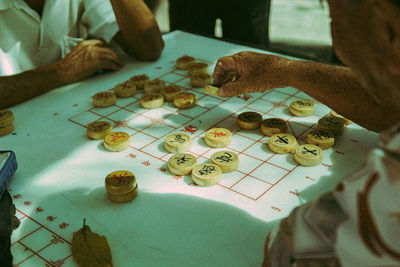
250,72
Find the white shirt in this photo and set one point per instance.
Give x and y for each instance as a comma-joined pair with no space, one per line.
28,41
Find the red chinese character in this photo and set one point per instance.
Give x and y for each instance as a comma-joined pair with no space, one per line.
190,129
51,218
294,193
27,203
131,155
63,225
177,177
308,177
146,163
218,134
326,165
39,209
17,196
275,208
192,184
162,169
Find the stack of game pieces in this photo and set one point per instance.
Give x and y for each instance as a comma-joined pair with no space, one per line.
121,186
6,122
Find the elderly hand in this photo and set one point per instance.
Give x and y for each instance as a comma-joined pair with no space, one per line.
249,72
86,58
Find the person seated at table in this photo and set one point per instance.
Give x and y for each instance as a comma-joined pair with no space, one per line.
48,44
358,223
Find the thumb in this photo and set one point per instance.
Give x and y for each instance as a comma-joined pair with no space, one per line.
230,89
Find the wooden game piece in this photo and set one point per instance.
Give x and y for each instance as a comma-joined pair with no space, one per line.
302,108
153,100
336,115
185,100
201,79
273,126
184,61
6,129
182,163
117,141
125,89
322,138
308,155
104,99
140,80
154,86
170,91
332,124
249,120
177,143
211,90
98,130
206,174
197,68
282,143
218,137
6,118
120,182
228,161
124,197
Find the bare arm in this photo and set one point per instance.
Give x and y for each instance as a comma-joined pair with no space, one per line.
335,86
84,60
139,34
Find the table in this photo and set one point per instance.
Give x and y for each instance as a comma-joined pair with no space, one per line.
173,222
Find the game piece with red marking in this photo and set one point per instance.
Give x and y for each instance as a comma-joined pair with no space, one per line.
117,141
6,122
182,163
197,68
322,138
170,91
125,89
154,86
218,137
140,80
98,130
332,124
121,186
273,126
154,100
211,90
104,99
282,143
206,174
177,143
249,120
308,155
302,107
185,100
201,79
184,61
228,161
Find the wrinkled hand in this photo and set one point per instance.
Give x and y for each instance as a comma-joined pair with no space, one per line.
88,57
250,72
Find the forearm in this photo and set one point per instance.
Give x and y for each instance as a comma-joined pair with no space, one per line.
338,88
17,88
139,33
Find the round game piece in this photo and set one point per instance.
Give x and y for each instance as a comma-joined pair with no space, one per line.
140,80
282,143
249,120
182,163
206,174
170,91
124,197
273,126
154,100
98,130
120,182
153,86
184,61
336,115
185,100
332,124
104,99
6,129
197,68
218,137
308,155
302,108
211,90
322,138
177,143
201,79
125,89
228,161
6,118
117,141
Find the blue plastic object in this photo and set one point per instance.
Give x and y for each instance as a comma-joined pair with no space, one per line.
8,166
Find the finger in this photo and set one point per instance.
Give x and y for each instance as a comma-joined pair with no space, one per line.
109,65
108,54
230,89
224,70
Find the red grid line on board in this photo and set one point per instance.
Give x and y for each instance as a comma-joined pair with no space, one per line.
56,238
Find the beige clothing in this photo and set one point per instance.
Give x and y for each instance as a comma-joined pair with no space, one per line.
356,225
28,41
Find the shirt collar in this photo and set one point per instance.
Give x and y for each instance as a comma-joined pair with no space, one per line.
5,4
